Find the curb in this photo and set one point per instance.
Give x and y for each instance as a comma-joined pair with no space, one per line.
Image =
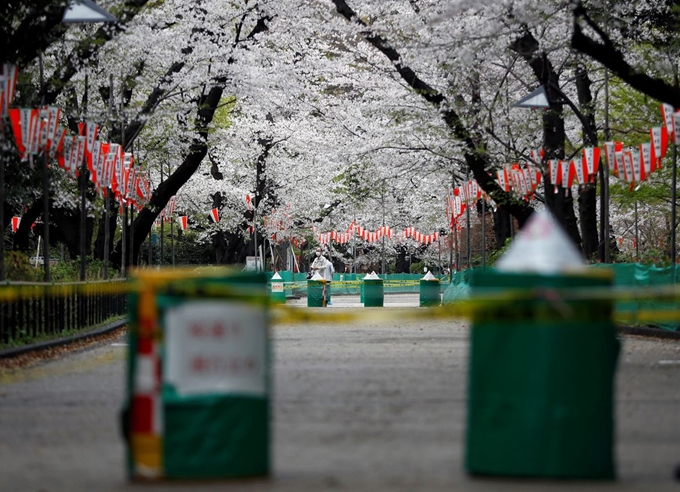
12,352
624,330
646,331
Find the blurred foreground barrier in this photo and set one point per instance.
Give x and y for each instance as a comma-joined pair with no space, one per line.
541,368
198,380
541,379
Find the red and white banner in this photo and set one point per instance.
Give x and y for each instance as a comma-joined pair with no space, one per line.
8,85
659,144
591,160
610,149
182,222
15,223
568,172
555,173
214,215
667,114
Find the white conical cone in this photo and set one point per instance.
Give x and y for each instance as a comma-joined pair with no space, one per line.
316,276
371,276
429,276
541,247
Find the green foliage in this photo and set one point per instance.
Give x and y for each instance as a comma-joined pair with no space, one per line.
493,257
631,114
223,113
417,267
648,256
18,268
189,249
69,270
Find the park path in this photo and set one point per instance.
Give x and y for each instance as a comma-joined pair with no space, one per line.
375,406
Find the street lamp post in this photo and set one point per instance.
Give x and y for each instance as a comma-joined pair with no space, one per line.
538,99
45,183
83,204
84,12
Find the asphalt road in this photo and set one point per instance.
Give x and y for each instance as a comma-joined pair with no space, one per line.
374,406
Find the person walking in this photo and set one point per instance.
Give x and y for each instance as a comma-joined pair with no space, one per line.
324,268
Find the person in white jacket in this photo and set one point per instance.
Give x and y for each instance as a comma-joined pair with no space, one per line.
325,269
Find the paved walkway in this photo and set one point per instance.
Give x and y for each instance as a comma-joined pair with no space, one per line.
358,407
354,301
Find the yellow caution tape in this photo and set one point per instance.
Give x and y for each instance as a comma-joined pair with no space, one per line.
634,305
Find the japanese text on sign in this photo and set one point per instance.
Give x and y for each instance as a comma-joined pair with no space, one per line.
215,347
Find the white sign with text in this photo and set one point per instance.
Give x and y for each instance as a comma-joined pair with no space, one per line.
216,346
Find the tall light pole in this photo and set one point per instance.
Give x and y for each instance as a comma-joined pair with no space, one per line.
538,99
45,184
84,12
83,201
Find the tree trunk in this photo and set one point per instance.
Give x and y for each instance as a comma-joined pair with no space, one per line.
21,238
230,248
99,241
402,265
587,198
502,229
168,188
67,230
561,204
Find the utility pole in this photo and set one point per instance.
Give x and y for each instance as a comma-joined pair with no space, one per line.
467,219
123,266
107,190
46,185
83,190
382,253
605,174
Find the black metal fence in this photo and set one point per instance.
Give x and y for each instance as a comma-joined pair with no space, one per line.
30,311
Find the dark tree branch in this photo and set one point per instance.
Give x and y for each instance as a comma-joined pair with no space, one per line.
612,58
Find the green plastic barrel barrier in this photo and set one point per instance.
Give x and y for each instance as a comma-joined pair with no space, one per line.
206,413
277,292
429,293
541,375
315,293
373,293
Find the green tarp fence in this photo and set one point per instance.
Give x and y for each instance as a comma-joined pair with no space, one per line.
628,276
295,284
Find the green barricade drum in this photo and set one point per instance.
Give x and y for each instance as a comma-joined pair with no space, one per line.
315,293
430,291
276,287
541,377
374,293
198,377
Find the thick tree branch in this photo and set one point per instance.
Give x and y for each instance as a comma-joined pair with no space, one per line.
612,58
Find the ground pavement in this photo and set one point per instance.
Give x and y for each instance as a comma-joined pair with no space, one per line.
370,406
